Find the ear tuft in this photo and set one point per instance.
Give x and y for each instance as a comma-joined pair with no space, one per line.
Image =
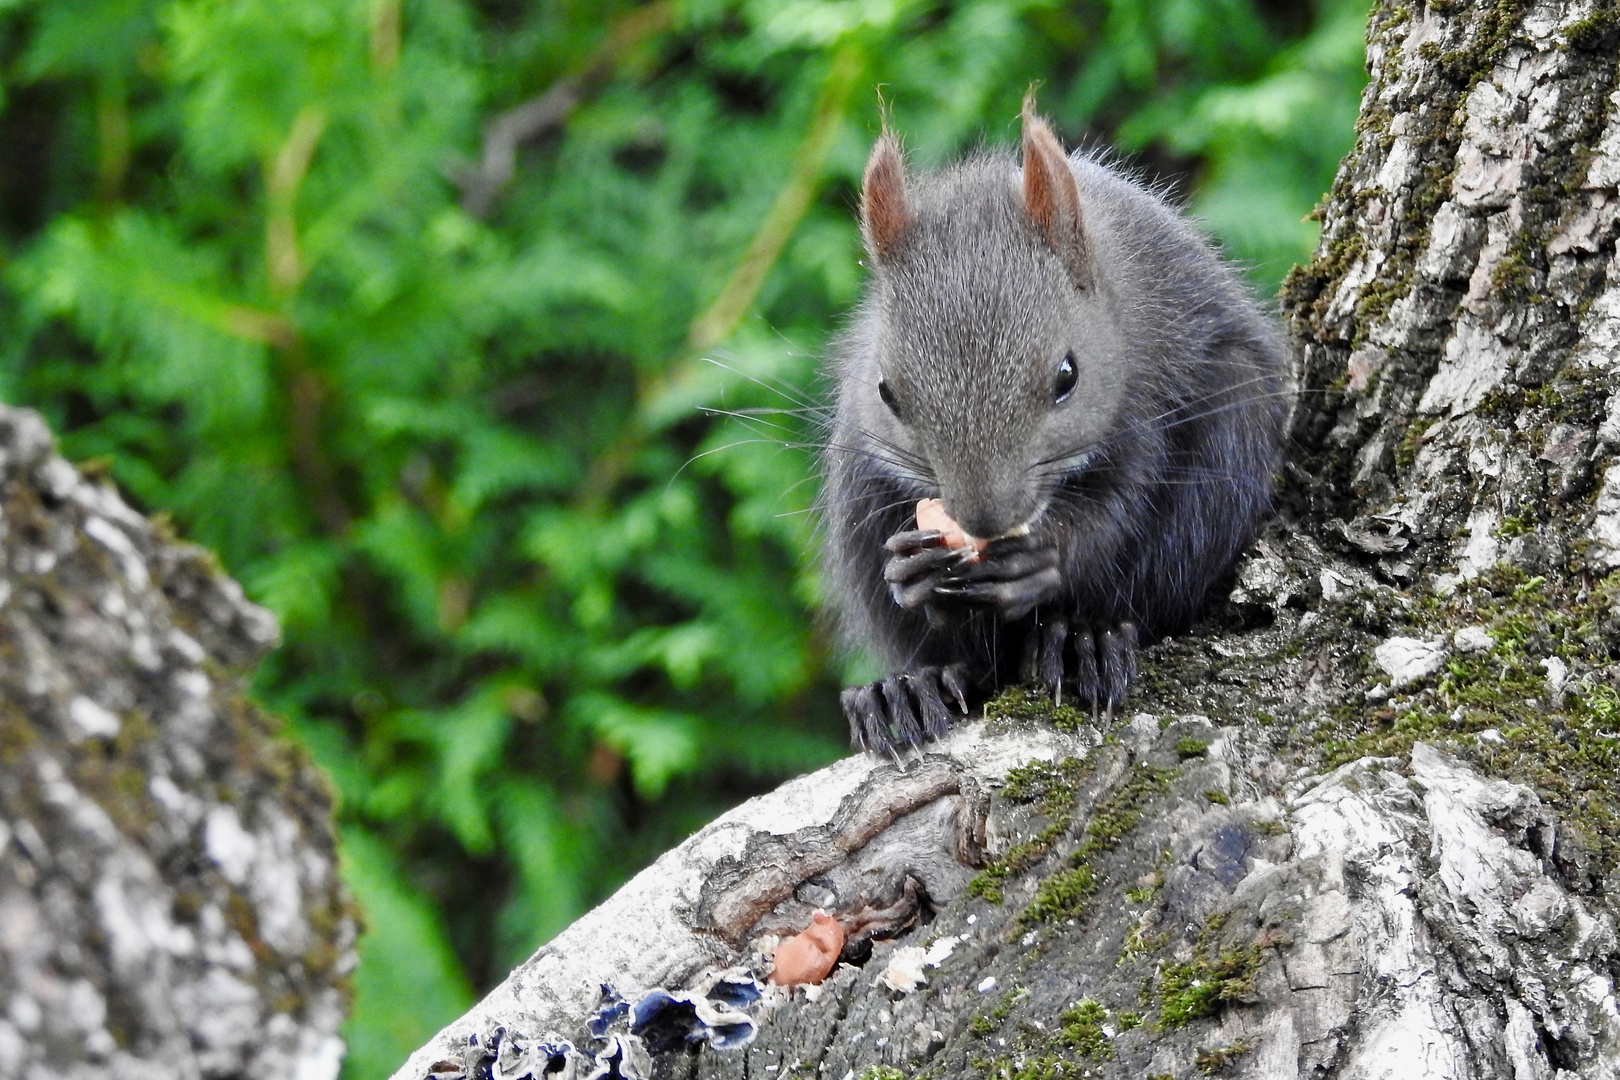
1051,197
885,213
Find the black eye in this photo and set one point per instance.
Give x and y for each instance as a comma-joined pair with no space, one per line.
888,397
1067,376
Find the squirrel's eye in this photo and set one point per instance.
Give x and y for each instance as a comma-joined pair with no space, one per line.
1067,376
888,397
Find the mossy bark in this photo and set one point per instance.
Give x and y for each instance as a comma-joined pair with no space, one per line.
169,898
1364,822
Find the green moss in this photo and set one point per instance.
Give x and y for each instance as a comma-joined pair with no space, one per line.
17,733
1570,399
1217,1059
1082,1035
115,772
1218,797
1048,1066
1501,400
987,883
1060,896
1495,35
1561,746
880,1072
1513,526
1191,746
1029,705
1054,789
1307,290
1201,986
1083,1030
1406,451
986,1023
1144,894
1377,297
243,917
1121,812
1139,942
1598,32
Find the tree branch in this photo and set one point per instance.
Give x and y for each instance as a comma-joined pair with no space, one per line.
540,116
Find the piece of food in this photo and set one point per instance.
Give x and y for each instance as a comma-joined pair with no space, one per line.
809,956
932,515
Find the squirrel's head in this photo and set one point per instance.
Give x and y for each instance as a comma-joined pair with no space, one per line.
997,353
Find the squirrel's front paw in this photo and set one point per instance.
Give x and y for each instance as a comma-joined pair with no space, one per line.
1014,575
903,710
918,561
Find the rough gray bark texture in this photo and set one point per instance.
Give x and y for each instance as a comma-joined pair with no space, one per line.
1364,823
169,899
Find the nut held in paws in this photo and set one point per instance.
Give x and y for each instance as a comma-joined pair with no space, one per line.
932,515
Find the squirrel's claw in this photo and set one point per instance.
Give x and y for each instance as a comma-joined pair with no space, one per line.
1014,576
955,681
904,710
932,711
1103,657
911,541
915,564
1013,599
1043,660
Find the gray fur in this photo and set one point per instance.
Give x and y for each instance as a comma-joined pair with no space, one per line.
1158,466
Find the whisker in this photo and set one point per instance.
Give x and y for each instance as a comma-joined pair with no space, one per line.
776,386
1154,422
747,419
882,508
913,469
717,449
767,410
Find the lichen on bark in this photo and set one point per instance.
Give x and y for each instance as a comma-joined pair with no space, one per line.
169,898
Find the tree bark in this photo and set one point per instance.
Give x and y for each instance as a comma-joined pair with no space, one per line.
1362,824
169,898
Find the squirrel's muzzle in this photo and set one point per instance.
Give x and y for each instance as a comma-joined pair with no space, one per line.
988,506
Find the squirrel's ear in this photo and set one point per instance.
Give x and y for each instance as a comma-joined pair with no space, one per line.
1051,198
884,210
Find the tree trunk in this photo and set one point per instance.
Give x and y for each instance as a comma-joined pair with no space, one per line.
1363,823
169,898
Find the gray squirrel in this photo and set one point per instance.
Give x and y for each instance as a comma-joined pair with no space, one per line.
1054,353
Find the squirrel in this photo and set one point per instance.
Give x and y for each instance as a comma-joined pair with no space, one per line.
1057,356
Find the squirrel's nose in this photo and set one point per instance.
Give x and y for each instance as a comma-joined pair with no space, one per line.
988,511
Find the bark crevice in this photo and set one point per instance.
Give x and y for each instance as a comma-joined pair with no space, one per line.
1362,823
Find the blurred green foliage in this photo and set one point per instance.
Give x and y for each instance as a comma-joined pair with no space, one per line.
545,610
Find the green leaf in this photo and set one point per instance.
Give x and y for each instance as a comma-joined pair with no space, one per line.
547,849
404,945
659,743
471,739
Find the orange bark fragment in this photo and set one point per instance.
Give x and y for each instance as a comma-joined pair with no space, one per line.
809,956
